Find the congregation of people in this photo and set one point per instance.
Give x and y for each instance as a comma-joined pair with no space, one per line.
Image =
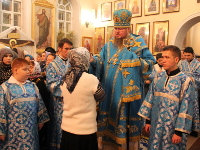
69,99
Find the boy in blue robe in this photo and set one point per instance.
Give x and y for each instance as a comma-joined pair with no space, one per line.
54,74
191,67
170,107
22,110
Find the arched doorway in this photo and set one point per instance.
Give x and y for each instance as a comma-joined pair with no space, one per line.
183,28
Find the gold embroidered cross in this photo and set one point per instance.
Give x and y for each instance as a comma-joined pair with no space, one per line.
137,44
125,73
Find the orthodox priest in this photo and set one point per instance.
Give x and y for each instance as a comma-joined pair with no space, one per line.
122,65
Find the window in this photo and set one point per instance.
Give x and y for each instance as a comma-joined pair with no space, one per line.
64,16
10,14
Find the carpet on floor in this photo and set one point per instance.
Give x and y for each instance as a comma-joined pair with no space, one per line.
196,145
144,143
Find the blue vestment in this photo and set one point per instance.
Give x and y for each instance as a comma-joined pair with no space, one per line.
54,73
171,104
122,72
155,71
22,110
192,69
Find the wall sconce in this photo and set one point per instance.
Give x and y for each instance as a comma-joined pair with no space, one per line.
88,17
87,23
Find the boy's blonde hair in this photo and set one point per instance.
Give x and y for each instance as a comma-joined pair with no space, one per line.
19,62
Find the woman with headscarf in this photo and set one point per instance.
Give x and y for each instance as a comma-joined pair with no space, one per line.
6,58
81,91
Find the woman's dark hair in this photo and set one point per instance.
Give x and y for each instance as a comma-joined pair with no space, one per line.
50,49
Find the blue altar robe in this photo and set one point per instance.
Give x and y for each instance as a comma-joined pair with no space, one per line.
54,73
171,104
22,110
192,69
122,73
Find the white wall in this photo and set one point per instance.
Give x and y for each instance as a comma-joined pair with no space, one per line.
193,36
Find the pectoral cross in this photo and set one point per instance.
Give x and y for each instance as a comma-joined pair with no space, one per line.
131,42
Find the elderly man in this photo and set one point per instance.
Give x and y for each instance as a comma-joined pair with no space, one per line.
122,65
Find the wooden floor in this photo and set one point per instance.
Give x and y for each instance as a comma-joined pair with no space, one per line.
191,145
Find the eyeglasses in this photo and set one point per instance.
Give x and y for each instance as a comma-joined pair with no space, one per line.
69,48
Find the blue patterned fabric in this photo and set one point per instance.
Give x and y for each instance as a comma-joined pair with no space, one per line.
56,132
22,110
192,69
171,104
54,73
156,69
121,72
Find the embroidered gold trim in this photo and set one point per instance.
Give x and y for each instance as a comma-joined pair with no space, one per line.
44,121
183,115
196,121
143,116
3,120
103,113
118,140
130,64
131,99
146,65
41,111
22,100
131,82
167,96
184,86
112,123
131,88
133,119
145,103
136,119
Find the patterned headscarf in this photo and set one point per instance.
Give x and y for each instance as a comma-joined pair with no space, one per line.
5,51
79,62
36,70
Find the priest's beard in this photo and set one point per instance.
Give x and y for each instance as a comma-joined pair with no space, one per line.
119,42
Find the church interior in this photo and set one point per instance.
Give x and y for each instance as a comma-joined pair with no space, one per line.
84,20
89,23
